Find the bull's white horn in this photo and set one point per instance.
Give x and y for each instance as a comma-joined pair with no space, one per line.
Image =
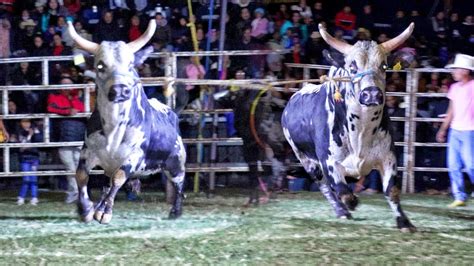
333,42
84,44
142,40
391,44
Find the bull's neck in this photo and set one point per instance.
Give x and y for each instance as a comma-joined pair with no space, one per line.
112,114
363,124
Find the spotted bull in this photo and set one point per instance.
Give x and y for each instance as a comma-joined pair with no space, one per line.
347,136
127,134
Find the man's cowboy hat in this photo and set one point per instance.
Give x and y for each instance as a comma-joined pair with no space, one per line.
27,23
462,61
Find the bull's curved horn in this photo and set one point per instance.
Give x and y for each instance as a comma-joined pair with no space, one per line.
84,44
142,40
391,44
333,42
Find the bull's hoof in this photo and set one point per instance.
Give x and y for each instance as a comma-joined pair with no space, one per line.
88,217
405,225
103,218
350,200
106,218
86,211
346,216
175,214
98,215
408,229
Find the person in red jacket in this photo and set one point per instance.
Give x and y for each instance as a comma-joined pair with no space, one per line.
68,103
134,32
346,21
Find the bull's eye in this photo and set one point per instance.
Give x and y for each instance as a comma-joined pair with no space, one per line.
353,68
383,67
101,67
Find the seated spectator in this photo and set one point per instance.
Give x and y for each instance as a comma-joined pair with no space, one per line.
28,101
314,48
297,55
194,71
38,12
68,103
39,48
5,27
62,28
287,39
259,24
134,31
180,34
108,29
50,16
303,9
296,26
91,17
29,160
59,47
319,15
49,35
163,30
281,16
346,21
25,16
366,19
25,35
245,21
400,23
73,6
4,136
10,124
440,26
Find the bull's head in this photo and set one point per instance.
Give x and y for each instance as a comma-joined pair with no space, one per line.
366,62
114,63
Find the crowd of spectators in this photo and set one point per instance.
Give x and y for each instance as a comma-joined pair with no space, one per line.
39,28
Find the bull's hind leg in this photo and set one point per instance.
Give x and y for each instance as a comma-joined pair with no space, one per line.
392,194
103,210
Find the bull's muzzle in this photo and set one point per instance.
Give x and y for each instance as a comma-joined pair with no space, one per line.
371,96
119,93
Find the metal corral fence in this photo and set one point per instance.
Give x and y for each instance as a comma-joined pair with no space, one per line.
171,77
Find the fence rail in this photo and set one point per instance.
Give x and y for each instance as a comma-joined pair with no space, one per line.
410,97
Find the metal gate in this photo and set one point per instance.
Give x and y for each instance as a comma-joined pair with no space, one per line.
171,71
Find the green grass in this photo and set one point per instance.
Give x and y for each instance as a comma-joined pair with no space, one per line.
294,229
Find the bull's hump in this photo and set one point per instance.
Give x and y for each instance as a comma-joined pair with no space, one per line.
310,89
158,106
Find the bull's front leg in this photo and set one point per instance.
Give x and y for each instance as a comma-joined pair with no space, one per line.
339,192
323,176
392,194
85,206
103,210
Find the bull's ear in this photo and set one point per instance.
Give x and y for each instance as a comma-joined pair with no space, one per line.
335,60
142,55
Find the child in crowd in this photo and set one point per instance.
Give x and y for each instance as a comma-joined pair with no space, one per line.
29,160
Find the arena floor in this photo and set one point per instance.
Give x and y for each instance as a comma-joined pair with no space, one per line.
294,229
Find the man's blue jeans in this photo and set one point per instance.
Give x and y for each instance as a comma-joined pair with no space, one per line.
460,155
